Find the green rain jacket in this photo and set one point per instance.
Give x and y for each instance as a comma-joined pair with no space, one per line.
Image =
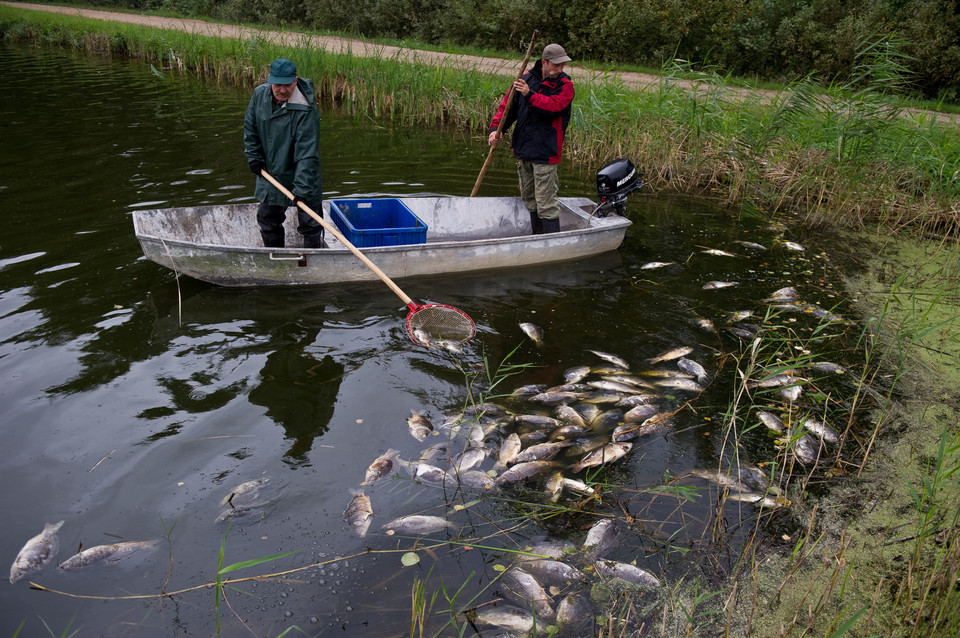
286,139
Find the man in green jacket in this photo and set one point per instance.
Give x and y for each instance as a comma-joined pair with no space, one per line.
280,134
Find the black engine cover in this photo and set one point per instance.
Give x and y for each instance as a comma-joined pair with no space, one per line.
615,181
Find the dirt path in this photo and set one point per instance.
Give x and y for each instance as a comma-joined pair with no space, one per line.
363,48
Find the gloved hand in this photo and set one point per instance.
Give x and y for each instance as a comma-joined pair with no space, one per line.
256,166
297,200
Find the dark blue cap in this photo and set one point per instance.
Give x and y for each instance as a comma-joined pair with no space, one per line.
282,71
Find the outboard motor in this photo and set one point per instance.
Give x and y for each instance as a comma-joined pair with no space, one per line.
615,181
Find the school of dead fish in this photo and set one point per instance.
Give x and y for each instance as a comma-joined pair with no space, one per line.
546,437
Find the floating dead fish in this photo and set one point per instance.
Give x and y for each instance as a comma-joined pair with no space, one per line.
604,396
643,398
420,426
556,550
553,572
788,293
722,479
656,264
358,513
692,367
805,449
476,479
113,552
523,589
576,374
629,431
704,324
820,429
770,420
529,390
626,572
572,608
639,413
589,443
382,467
791,393
633,382
417,524
505,617
244,493
541,452
773,381
553,487
568,432
533,331
826,366
36,552
611,358
680,384
606,421
760,500
739,315
717,285
239,511
509,448
790,245
423,337
523,472
555,398
602,537
613,386
538,421
469,458
750,244
578,486
717,252
673,353
569,415
433,474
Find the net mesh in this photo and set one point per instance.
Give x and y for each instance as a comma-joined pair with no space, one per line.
435,322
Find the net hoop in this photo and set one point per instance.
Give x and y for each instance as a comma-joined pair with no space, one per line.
439,322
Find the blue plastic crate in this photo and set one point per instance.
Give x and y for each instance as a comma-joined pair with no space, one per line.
377,222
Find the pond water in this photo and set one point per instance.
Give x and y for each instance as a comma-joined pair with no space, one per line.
133,403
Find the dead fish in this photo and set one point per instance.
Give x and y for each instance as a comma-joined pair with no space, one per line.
692,367
633,383
739,315
791,393
629,431
704,324
743,332
568,432
239,511
613,386
589,443
423,337
789,293
420,426
537,421
541,452
469,458
576,374
680,384
358,513
717,252
553,487
529,390
588,411
722,479
578,486
642,398
549,549
673,353
805,449
523,589
790,245
639,413
506,617
509,448
534,332
523,472
114,552
383,466
572,608
760,500
820,429
569,415
772,381
750,244
417,524
434,474
826,366
773,423
606,421
666,374
604,396
36,552
429,453
244,493
555,397
656,264
476,479
611,358
626,572
602,537
607,454
553,572
717,285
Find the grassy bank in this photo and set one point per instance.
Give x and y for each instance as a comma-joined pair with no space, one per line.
846,156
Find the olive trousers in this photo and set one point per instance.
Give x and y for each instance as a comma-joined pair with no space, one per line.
539,186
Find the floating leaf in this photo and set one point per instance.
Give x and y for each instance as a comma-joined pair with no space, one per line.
499,568
409,559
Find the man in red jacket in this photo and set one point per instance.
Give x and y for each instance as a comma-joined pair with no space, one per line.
541,111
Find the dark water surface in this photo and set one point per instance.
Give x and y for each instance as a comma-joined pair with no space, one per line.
132,406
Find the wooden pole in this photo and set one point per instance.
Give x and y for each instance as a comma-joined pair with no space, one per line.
503,118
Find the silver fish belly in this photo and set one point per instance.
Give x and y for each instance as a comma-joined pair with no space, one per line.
417,524
358,513
113,552
626,572
36,552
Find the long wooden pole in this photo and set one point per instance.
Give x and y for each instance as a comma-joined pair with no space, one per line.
503,118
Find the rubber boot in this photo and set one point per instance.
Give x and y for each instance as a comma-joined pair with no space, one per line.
551,226
536,224
272,239
313,241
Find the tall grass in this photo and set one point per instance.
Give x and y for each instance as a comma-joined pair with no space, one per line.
843,153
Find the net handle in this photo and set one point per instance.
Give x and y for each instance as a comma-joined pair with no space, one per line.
330,228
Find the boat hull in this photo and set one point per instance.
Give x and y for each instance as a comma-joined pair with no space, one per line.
220,244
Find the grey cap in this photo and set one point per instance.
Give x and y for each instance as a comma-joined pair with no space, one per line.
555,53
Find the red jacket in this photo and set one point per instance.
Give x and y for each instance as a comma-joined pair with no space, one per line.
541,117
